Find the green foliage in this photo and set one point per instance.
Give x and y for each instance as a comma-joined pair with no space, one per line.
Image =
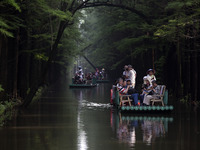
1,89
6,111
9,22
179,4
41,56
6,33
13,3
185,13
2,109
43,6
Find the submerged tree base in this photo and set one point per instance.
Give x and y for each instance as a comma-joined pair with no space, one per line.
8,110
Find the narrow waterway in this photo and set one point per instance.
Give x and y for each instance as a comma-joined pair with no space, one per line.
82,119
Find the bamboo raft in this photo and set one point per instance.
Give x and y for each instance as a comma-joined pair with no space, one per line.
82,85
146,108
88,84
116,101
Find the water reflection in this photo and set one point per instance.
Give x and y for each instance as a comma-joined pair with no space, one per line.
88,100
131,129
126,133
82,143
151,130
82,137
81,119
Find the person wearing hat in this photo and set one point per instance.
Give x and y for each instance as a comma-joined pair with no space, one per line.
146,89
132,75
155,90
150,75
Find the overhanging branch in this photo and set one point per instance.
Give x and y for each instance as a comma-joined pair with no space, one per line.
98,4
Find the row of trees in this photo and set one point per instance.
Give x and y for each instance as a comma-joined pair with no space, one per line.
32,52
164,35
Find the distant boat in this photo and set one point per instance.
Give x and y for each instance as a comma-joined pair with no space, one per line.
82,85
103,81
90,84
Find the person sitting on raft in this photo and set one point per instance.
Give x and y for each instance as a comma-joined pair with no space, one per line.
155,90
89,76
125,88
150,75
76,79
132,92
121,86
146,89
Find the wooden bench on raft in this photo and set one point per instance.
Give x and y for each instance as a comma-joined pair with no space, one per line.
160,97
124,99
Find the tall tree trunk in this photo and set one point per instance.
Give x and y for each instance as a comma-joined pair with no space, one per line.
195,68
4,62
15,72
188,72
179,68
52,55
42,79
153,58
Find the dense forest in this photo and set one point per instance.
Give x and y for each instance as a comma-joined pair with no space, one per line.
163,36
40,38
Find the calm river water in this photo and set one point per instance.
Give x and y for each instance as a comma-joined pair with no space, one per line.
82,119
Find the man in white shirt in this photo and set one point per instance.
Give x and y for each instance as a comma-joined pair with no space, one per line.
132,75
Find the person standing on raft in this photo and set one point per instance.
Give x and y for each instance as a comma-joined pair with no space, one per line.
132,75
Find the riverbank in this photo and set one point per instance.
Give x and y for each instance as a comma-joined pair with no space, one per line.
8,109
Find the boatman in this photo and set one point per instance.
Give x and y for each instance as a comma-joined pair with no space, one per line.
80,74
132,75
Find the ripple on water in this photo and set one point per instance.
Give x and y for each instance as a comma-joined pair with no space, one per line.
92,105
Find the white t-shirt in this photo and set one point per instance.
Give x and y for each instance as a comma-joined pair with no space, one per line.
151,78
132,77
